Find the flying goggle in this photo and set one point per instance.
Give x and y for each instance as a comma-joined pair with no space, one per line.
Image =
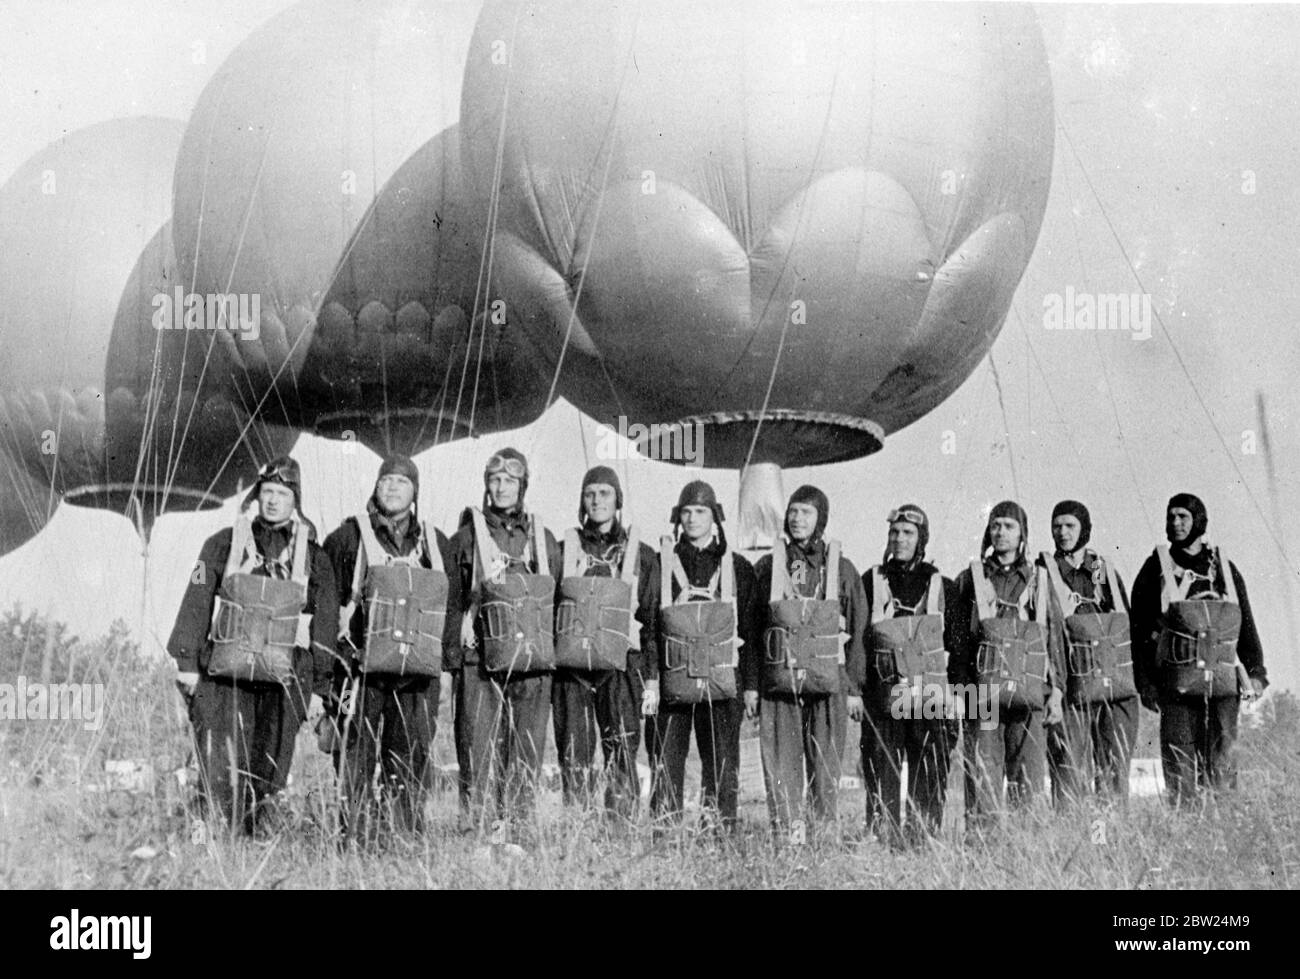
283,473
511,467
911,516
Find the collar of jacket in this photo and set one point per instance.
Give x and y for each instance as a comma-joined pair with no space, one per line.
1086,563
398,528
689,552
1197,562
812,550
699,563
508,520
276,537
1020,567
917,567
590,535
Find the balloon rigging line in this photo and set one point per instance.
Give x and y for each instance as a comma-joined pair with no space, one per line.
242,439
482,286
1006,424
1105,368
785,262
51,499
600,200
1177,355
1051,396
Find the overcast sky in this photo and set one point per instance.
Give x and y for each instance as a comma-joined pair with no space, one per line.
1185,121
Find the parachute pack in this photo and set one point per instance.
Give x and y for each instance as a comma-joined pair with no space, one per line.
257,620
700,644
594,623
405,606
908,648
1099,654
1012,653
1196,652
805,643
517,608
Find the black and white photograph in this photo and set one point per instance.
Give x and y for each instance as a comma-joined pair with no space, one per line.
650,445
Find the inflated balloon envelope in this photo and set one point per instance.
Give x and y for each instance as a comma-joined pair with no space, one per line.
413,345
276,186
834,200
175,439
73,220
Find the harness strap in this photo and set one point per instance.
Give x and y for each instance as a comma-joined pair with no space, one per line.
574,565
241,535
1117,598
1040,597
833,572
1229,586
244,554
984,596
1070,600
782,588
685,590
988,600
539,544
879,591
666,560
882,599
1174,588
631,551
934,595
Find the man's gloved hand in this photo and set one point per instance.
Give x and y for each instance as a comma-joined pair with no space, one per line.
751,704
468,640
187,683
1150,697
856,709
315,709
327,734
1054,712
650,699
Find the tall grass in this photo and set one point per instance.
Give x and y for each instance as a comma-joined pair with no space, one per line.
65,822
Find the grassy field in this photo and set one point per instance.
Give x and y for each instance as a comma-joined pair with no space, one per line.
83,808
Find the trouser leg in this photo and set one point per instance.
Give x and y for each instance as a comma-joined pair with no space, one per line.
221,713
985,768
410,718
1026,756
478,716
573,714
1221,741
1180,724
825,726
1059,763
717,735
1072,757
523,741
927,771
1115,731
883,769
781,744
357,759
618,715
669,737
875,762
